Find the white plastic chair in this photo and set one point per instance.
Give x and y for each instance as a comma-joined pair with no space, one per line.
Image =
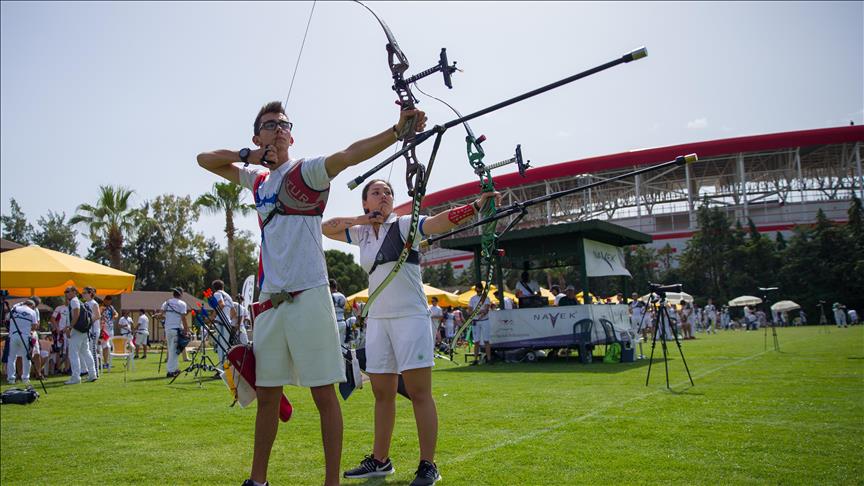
121,348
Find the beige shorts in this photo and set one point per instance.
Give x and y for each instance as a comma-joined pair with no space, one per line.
297,343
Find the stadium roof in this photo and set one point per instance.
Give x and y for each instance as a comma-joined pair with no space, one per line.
639,157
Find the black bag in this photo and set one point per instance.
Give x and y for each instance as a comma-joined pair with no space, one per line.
85,319
183,340
18,396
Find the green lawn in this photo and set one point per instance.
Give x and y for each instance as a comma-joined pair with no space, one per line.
754,417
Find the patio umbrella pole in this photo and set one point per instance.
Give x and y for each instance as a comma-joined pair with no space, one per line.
767,303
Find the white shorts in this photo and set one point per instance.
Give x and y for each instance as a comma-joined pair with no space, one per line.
394,345
297,343
141,338
481,331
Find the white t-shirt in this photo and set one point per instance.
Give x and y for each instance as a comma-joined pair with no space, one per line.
523,290
22,319
558,297
292,254
222,296
174,309
94,310
435,311
481,315
404,295
143,324
339,303
61,312
125,326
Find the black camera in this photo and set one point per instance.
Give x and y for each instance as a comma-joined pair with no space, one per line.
656,288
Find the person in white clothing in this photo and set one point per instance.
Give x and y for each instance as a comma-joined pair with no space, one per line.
399,337
526,287
175,312
481,330
556,291
22,321
449,324
60,318
241,322
142,333
80,349
339,303
223,321
437,317
89,300
710,313
297,340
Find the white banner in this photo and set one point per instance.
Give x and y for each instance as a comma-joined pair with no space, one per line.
602,260
555,326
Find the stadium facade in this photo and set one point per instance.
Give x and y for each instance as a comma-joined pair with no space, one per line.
777,180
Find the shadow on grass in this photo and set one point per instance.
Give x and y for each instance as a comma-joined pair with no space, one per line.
378,482
557,365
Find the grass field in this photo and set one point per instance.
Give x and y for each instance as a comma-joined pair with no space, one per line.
754,417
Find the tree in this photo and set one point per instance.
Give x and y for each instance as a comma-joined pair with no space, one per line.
110,219
15,226
227,197
145,253
350,276
705,263
56,234
642,263
245,254
184,248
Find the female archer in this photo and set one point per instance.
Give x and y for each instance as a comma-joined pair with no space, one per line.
399,337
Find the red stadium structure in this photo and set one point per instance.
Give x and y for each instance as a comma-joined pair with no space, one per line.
777,180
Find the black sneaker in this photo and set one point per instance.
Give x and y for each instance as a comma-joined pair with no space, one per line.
370,468
426,475
249,482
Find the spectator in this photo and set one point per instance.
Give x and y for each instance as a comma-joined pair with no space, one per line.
339,303
89,296
556,291
80,349
22,321
710,317
853,316
437,317
175,311
226,314
142,333
569,297
481,324
526,287
839,314
242,321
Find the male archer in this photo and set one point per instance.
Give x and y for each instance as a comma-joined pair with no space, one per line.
296,337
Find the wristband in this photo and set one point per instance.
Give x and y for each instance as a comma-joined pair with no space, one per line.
460,214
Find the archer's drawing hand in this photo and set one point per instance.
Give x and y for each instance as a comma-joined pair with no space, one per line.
373,217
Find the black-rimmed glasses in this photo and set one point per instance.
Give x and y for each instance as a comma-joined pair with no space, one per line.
272,124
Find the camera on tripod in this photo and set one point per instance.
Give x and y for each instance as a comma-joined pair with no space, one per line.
661,289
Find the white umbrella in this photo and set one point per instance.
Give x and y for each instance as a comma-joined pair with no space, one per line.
744,300
673,298
785,306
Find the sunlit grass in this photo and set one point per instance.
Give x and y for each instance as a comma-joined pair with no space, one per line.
754,417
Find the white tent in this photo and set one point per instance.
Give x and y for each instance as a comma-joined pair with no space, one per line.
744,300
785,306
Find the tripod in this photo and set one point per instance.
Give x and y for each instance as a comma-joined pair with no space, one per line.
767,303
200,361
661,321
823,319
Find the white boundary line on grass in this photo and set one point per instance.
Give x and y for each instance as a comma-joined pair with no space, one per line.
574,420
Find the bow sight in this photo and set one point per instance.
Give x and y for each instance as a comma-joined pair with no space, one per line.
443,66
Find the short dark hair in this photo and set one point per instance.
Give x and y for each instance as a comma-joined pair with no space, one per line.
333,284
218,285
271,107
373,181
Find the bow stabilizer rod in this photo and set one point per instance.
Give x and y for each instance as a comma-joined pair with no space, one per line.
440,129
520,207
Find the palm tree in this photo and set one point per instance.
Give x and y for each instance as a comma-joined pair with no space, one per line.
111,219
227,197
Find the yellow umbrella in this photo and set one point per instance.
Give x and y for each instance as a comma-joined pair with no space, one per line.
39,271
361,296
581,297
548,294
465,297
444,298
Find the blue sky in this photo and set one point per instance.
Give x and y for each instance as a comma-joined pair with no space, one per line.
128,93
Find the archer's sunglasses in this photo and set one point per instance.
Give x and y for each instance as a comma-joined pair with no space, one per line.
272,124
